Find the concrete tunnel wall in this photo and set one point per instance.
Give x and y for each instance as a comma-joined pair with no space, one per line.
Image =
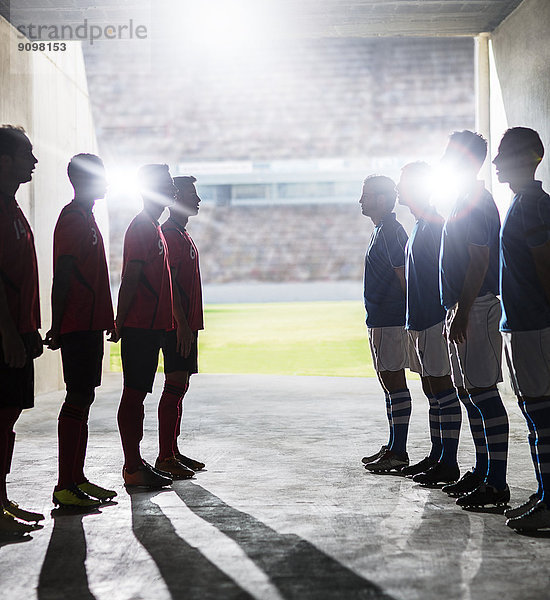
47,94
521,46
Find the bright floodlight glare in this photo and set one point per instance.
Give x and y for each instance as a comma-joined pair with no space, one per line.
445,185
122,186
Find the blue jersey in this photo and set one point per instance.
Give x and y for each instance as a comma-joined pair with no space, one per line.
384,297
525,306
474,221
422,272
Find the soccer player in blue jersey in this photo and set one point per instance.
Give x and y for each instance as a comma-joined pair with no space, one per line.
525,297
385,306
468,271
425,321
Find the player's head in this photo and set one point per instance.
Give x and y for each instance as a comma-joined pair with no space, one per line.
187,199
378,196
466,151
17,160
519,154
87,176
415,185
156,185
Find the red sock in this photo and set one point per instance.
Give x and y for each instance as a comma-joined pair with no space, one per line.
8,417
69,424
80,456
175,449
130,424
169,415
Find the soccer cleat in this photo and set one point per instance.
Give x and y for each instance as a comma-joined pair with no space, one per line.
24,515
157,471
145,476
368,459
95,491
466,484
11,527
518,511
483,495
419,467
536,518
388,461
176,469
439,473
191,463
73,497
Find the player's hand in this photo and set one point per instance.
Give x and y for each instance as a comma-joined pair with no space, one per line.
37,345
15,355
185,338
118,330
52,339
459,325
112,336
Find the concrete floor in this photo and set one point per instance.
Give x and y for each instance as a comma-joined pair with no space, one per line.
285,510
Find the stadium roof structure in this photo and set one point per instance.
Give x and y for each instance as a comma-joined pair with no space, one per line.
318,18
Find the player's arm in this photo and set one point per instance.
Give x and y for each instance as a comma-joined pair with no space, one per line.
475,274
60,291
541,256
15,355
184,334
127,292
400,274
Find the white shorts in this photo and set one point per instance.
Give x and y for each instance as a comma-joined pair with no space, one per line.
428,354
528,357
476,363
388,346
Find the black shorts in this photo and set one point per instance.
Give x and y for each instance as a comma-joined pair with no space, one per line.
82,357
174,361
139,349
17,385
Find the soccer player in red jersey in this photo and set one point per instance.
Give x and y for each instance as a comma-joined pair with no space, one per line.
180,346
144,315
81,311
19,313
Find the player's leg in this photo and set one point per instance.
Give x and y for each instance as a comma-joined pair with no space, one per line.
480,358
139,353
10,526
528,356
390,356
17,394
178,371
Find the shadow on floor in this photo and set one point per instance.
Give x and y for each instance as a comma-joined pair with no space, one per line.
63,573
186,572
298,569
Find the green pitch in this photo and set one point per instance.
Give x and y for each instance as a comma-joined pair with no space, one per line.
286,338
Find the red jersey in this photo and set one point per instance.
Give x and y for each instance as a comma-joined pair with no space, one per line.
89,306
152,306
184,259
18,268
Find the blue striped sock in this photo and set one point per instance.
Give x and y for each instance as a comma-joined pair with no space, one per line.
390,423
532,437
400,402
495,423
450,417
478,436
538,410
435,428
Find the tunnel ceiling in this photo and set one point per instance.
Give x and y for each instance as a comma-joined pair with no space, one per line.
319,18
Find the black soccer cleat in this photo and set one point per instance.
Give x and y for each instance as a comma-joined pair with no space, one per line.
466,484
419,467
388,462
439,473
485,495
368,459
